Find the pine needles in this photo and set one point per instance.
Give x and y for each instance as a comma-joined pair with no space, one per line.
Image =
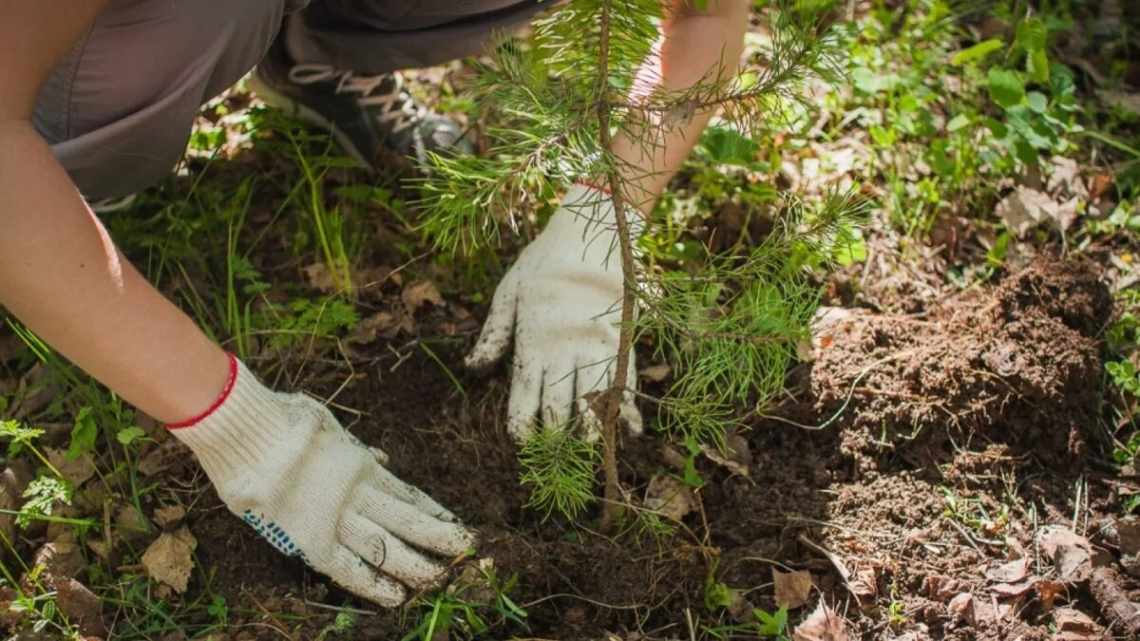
730,328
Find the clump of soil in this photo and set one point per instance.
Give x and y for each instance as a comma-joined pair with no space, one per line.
1018,365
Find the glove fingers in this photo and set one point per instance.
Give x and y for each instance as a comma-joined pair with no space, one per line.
388,554
409,523
526,393
558,387
497,329
356,576
389,483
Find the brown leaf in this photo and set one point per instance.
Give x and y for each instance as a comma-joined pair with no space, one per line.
320,278
60,559
80,605
168,515
823,624
1048,591
961,608
1025,208
76,472
416,294
165,456
669,496
1010,572
864,584
1073,625
1070,552
656,373
1014,589
169,559
130,523
792,588
383,323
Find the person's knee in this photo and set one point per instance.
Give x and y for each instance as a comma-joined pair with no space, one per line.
118,111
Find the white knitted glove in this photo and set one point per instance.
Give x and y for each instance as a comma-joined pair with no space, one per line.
561,305
285,465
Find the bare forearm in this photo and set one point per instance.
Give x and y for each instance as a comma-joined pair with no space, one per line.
61,275
694,47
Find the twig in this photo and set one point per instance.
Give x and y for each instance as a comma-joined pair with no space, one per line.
613,396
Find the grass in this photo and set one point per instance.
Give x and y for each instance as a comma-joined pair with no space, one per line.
231,249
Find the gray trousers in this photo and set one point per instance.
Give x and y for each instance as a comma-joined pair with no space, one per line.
118,109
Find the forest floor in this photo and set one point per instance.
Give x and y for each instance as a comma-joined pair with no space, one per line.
954,456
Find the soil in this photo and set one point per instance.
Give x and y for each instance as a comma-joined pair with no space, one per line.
987,401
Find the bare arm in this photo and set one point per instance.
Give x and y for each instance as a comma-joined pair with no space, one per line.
60,274
694,46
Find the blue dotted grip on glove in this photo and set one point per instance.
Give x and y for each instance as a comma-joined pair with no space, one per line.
273,533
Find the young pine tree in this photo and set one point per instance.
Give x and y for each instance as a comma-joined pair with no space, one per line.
730,326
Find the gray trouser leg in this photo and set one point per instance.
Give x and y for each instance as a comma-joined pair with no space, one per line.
118,110
378,36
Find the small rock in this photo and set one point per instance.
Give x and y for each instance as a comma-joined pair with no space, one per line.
1074,625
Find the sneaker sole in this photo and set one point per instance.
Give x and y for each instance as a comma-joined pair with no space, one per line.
309,116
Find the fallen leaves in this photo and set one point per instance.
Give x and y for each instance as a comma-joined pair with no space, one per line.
823,624
419,293
669,497
170,559
1070,553
792,588
1073,625
1025,208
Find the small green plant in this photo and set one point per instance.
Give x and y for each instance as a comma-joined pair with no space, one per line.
341,625
559,467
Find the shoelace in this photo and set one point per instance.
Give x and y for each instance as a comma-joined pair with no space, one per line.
397,108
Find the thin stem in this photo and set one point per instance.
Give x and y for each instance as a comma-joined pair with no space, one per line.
611,509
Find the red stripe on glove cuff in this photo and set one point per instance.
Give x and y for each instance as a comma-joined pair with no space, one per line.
229,386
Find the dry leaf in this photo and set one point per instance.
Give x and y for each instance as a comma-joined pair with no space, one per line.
1048,591
170,559
167,455
418,293
76,472
168,515
1123,100
382,323
1073,625
864,584
961,608
1026,208
1010,572
130,522
61,558
1014,589
656,373
80,605
669,496
320,278
1070,552
792,588
823,624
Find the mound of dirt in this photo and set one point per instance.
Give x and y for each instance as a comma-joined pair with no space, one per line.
1016,366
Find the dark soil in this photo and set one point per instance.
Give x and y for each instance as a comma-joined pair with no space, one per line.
989,399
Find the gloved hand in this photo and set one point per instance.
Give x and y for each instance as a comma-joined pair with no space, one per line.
285,465
561,305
